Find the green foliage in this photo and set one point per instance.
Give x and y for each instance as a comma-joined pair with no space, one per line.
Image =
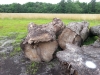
90,40
96,7
64,6
93,2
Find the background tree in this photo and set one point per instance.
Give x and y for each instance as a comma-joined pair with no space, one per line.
64,6
97,7
93,2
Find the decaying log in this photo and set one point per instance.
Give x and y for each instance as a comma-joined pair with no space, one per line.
40,52
47,50
68,36
40,42
85,60
97,43
43,33
81,28
74,33
66,69
31,52
95,30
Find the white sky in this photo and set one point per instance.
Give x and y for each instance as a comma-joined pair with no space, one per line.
25,1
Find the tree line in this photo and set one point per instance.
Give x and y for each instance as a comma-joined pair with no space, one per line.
63,6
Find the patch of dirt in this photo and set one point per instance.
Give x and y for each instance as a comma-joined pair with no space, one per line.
19,65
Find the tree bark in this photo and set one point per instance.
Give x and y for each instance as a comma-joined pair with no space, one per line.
74,33
95,30
85,60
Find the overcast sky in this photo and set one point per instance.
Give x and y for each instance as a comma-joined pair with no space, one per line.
25,1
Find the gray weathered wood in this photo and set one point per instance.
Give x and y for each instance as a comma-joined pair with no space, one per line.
85,60
74,33
95,30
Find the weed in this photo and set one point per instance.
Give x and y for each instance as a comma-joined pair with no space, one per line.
32,68
90,40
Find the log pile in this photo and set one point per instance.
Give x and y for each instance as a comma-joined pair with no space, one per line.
42,42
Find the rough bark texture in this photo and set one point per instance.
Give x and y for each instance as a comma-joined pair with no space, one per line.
40,52
81,58
40,42
95,30
74,33
81,28
47,50
43,33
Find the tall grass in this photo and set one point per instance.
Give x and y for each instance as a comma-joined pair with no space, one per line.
50,16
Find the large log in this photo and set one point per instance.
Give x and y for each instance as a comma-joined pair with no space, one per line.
85,60
74,33
68,36
95,30
81,28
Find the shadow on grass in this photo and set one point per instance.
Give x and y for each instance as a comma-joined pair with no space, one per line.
90,40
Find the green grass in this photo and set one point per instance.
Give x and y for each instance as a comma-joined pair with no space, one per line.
17,25
32,68
90,40
20,25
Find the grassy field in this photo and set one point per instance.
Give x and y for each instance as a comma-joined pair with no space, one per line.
50,16
17,22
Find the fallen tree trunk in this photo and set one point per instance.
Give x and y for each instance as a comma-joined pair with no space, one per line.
84,60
